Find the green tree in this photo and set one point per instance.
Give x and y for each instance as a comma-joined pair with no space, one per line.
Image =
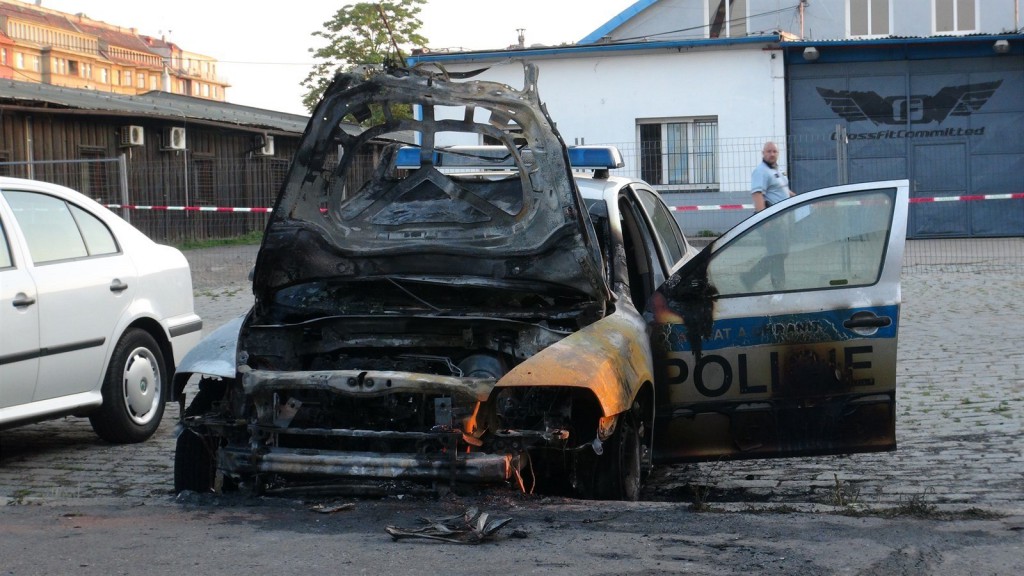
365,33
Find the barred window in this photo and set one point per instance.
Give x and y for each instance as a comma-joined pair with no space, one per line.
679,153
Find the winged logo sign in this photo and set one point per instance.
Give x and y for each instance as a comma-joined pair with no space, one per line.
917,109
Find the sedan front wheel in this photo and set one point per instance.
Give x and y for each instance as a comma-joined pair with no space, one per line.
132,391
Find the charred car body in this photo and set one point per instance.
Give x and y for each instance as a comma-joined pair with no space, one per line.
477,314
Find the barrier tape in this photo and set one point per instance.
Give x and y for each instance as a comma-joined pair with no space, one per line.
700,208
189,208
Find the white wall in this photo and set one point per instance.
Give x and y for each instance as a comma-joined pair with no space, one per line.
597,99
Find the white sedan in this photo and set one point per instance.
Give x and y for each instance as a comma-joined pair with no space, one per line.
94,316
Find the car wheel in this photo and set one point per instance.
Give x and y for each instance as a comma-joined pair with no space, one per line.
194,453
619,473
132,390
193,463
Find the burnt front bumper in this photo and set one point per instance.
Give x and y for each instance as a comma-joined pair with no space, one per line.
473,467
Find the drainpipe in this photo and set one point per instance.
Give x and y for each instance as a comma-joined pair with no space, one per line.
29,156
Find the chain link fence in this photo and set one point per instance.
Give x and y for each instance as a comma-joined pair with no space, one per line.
191,200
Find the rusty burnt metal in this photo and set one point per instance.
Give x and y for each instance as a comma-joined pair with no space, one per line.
413,324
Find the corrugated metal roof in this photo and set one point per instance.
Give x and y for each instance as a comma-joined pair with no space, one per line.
151,104
891,40
587,49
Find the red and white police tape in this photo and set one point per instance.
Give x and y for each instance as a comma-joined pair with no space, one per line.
699,208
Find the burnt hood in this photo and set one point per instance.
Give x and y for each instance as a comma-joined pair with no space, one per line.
353,207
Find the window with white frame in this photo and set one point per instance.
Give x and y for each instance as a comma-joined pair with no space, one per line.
727,18
679,153
955,16
868,17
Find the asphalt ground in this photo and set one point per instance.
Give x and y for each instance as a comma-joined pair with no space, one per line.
960,404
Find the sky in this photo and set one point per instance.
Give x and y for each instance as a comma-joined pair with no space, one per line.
262,49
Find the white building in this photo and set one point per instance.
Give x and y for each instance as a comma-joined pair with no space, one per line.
690,89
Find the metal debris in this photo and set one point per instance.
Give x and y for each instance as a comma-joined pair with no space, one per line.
331,509
472,527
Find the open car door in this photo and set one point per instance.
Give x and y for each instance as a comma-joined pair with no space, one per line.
780,338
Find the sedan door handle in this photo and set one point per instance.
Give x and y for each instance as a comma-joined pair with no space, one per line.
118,286
22,300
867,320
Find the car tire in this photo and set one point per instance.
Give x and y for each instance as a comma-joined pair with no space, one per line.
619,472
132,390
193,463
194,457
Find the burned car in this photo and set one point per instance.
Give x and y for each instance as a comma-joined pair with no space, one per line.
514,313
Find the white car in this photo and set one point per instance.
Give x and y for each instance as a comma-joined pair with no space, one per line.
94,316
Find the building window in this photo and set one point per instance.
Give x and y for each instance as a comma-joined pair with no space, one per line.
19,60
679,153
727,18
204,188
955,16
153,83
94,182
141,80
127,78
206,90
104,76
3,56
868,17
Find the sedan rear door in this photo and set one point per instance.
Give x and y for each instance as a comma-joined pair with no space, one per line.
780,338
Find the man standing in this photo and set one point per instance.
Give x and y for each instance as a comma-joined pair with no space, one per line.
768,186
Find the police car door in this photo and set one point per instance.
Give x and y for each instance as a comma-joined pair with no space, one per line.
780,338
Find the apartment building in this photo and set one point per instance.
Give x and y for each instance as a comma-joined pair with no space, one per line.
38,44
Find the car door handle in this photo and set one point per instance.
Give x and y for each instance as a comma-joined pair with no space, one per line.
118,286
22,300
867,320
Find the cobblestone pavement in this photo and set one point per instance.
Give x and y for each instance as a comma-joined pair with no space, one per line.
959,426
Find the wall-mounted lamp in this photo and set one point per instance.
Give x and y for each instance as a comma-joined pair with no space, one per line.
811,54
1001,46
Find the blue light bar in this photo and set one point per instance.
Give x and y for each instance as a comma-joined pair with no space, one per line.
408,158
595,157
498,157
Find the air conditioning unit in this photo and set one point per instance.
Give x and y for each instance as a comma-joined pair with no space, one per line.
265,145
133,136
174,138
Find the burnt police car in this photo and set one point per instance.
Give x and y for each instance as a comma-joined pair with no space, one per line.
514,313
